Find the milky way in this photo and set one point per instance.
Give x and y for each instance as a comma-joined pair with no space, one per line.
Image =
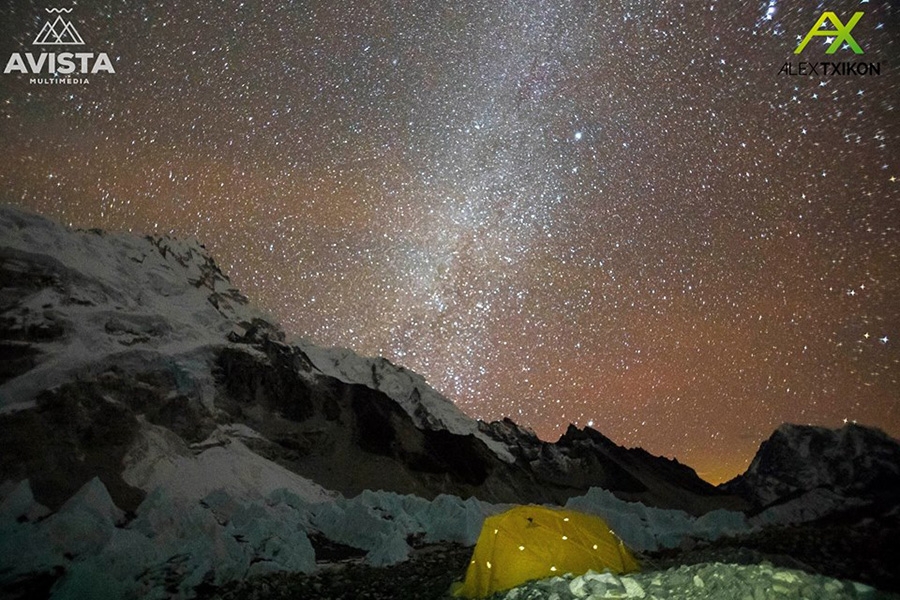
624,214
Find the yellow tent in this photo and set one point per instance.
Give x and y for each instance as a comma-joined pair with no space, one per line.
535,542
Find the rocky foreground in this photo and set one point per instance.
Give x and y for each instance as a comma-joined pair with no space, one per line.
837,562
867,551
428,574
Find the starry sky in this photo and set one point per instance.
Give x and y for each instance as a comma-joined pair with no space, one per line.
617,214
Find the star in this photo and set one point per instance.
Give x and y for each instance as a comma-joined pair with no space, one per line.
528,184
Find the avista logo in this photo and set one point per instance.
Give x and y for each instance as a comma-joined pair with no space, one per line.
839,35
64,63
59,31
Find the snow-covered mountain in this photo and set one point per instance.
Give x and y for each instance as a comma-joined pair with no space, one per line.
853,462
135,360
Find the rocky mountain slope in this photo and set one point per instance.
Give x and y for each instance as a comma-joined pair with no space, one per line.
853,462
136,361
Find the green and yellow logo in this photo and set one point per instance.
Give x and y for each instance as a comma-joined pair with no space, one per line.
841,33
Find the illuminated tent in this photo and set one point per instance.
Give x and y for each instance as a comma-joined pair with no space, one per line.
535,542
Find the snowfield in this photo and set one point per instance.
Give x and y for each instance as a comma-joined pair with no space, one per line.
160,459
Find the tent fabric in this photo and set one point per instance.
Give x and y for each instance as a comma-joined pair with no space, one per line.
536,542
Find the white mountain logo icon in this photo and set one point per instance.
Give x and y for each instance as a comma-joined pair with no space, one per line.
60,32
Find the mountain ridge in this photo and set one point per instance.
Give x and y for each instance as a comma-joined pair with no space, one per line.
853,461
117,335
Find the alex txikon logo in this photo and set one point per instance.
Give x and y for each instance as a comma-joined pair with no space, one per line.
60,67
840,37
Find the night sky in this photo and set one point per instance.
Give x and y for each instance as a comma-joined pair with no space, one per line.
618,214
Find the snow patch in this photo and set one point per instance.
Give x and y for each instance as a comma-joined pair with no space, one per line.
160,459
19,503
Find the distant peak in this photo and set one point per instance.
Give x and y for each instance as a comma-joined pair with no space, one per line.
794,429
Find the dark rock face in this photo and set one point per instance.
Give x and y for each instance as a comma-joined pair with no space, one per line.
22,327
16,358
75,433
854,461
349,437
271,384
